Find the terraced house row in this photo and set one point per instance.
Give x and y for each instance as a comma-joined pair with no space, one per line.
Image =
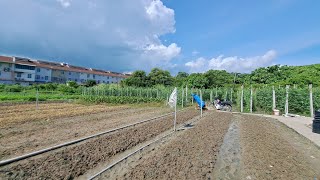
25,71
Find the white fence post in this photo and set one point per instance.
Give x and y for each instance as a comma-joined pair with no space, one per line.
241,104
200,103
182,93
273,98
251,103
311,100
287,101
186,93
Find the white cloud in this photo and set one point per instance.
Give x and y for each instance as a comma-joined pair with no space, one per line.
232,64
120,35
64,3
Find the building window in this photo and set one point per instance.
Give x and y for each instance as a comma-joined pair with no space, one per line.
37,76
0,73
76,80
29,75
19,66
46,78
107,82
69,73
94,76
108,77
19,75
62,72
88,75
69,79
38,69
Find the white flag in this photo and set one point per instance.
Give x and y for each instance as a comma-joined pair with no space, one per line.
173,98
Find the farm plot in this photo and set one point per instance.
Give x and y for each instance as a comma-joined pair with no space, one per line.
270,150
190,155
262,149
71,162
20,138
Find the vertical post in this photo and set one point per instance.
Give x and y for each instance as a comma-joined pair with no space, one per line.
186,93
200,103
251,103
37,100
182,98
167,99
175,116
241,104
273,98
211,97
311,100
287,101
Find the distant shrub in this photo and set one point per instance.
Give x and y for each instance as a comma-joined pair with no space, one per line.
13,88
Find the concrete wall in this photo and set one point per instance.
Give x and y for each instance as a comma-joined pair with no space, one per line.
58,76
43,74
6,71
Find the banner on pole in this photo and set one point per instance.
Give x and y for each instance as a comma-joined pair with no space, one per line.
173,98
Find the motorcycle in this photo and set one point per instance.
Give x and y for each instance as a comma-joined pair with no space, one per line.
222,105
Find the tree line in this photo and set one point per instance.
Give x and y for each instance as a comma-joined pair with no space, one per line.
273,75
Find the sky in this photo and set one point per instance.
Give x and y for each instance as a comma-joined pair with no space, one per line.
175,35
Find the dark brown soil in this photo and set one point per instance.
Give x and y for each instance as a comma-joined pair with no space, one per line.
72,162
22,138
269,151
190,155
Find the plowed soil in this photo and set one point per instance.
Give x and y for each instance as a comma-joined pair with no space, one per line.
217,146
190,155
74,161
270,150
252,148
29,135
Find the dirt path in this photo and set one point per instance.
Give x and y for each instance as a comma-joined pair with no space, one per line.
34,135
71,162
191,154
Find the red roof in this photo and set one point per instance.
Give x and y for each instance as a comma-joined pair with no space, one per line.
6,59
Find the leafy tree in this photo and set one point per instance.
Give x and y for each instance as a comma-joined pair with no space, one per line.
138,79
181,79
218,78
159,76
197,80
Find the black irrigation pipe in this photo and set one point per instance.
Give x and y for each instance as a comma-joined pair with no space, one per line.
35,153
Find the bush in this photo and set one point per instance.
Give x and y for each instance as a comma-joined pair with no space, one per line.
13,88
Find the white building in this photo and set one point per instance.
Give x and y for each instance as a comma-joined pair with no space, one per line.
6,74
43,74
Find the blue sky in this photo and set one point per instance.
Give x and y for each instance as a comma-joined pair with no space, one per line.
192,36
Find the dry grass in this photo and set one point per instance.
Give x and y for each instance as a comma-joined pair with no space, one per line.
21,113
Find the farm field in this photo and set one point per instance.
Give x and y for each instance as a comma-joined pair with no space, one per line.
24,129
217,146
265,149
